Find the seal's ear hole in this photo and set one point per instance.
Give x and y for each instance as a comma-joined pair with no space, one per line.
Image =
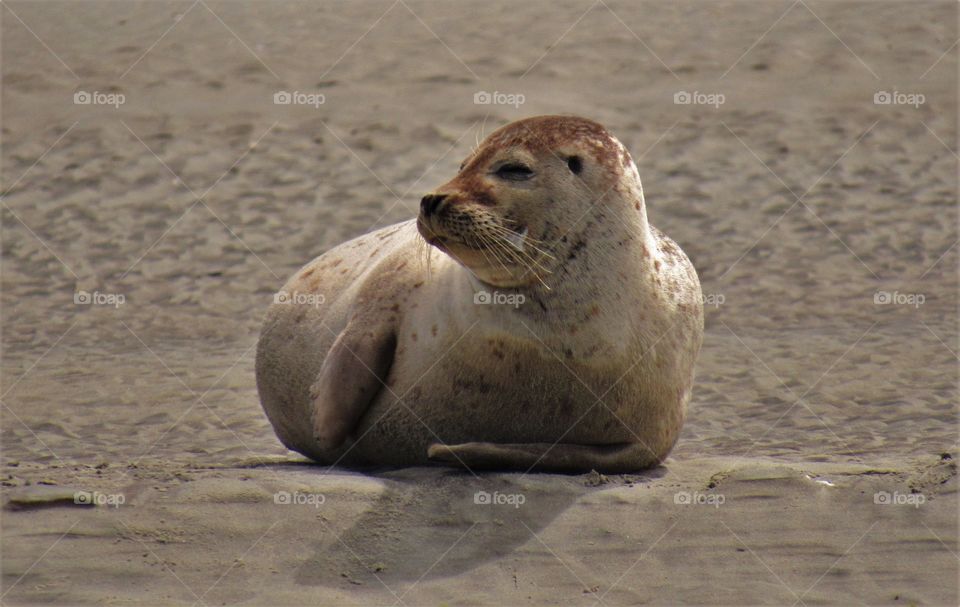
575,164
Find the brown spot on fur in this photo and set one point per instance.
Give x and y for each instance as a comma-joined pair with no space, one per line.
307,273
336,263
417,285
472,385
401,266
636,205
387,235
667,246
575,249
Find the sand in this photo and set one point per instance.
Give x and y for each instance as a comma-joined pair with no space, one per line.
819,454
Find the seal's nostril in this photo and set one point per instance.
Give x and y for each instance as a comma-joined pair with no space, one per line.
430,203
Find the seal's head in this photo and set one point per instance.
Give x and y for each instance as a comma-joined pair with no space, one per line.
528,194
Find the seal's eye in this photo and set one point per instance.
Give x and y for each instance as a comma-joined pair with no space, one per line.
514,171
575,164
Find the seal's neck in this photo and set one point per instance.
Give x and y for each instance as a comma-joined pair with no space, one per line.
603,259
605,249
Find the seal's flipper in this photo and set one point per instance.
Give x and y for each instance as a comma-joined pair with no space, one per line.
547,457
353,372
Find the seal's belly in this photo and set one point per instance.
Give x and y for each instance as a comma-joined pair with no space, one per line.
504,396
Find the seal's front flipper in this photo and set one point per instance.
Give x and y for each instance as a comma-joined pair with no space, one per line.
547,457
354,371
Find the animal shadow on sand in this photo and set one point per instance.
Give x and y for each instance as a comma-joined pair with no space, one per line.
438,522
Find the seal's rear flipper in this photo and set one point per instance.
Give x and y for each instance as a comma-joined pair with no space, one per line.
354,371
546,457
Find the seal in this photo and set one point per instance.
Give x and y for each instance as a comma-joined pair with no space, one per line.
530,318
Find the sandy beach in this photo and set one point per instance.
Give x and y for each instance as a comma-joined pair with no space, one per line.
157,190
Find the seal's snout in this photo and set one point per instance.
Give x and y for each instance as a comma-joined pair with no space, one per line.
430,204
